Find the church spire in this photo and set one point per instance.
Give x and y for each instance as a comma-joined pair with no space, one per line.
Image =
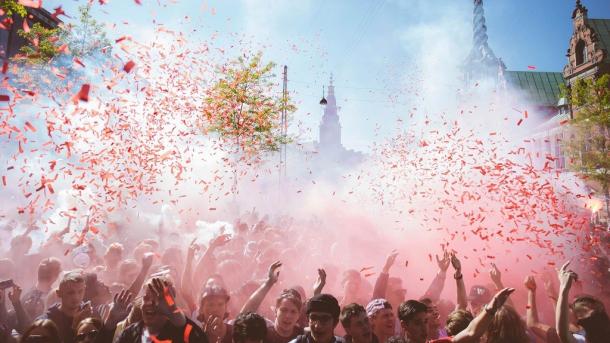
481,62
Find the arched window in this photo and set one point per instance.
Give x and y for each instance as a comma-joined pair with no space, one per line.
581,52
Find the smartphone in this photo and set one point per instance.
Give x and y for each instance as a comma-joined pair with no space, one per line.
6,284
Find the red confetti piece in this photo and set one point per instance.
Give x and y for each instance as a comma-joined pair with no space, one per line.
29,126
531,67
26,27
83,94
128,66
4,180
4,67
120,39
563,122
79,62
4,97
187,332
520,121
31,3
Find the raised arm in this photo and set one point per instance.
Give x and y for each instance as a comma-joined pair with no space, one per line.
206,265
496,278
167,303
255,300
566,277
320,282
186,286
438,283
23,320
462,300
478,326
541,330
147,261
382,280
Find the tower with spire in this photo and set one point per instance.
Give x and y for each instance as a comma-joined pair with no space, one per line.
481,62
330,127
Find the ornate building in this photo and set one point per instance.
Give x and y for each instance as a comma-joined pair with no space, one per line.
329,147
10,41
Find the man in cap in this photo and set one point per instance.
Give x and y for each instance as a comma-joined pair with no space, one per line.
323,315
383,320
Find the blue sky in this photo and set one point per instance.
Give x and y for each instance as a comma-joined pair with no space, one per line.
378,50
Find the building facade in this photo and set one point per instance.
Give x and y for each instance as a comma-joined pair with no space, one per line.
10,41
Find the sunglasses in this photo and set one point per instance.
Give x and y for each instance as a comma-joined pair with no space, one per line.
320,318
83,336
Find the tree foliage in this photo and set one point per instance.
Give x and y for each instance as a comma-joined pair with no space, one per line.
589,143
244,107
85,37
11,7
41,46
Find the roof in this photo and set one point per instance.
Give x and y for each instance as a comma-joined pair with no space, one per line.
602,28
542,88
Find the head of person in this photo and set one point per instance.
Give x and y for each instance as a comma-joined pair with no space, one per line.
49,270
434,322
351,282
20,245
356,323
113,255
478,297
213,302
71,291
249,327
323,315
141,249
382,317
287,310
88,330
506,326
41,331
215,280
151,314
128,271
457,321
591,315
413,316
96,291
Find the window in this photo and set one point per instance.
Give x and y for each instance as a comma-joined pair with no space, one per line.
581,52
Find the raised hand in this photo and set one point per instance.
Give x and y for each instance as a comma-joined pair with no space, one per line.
320,283
274,272
389,261
120,305
443,264
530,283
215,329
455,262
499,299
147,260
220,241
161,291
566,276
15,296
193,247
495,274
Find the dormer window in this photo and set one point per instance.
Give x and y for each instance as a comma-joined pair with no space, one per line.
581,53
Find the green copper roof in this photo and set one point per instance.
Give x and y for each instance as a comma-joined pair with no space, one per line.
542,88
602,28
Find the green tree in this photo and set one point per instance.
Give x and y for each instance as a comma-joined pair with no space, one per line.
41,47
86,36
244,107
589,143
11,7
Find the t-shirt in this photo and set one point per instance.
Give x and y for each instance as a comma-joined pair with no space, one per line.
274,337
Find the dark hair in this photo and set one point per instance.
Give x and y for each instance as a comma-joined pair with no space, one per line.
90,320
291,295
589,301
457,321
409,309
46,324
507,326
324,303
350,311
249,326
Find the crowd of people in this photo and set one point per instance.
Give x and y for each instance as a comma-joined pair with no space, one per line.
232,289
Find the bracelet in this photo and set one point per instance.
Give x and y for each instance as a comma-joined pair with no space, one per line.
458,277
